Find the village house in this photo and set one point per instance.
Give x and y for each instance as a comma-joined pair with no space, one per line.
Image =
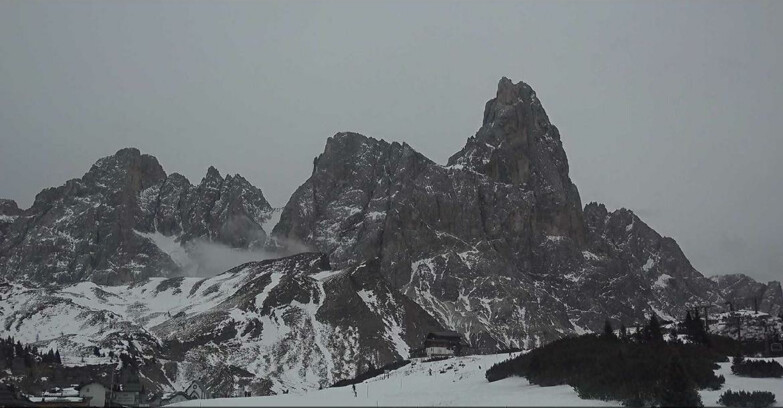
196,390
94,393
173,398
444,344
127,394
59,397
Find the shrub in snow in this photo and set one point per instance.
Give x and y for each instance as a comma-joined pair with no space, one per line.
755,399
756,368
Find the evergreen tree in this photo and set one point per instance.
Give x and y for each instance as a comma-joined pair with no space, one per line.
637,335
608,331
623,332
694,329
57,358
688,321
677,389
653,333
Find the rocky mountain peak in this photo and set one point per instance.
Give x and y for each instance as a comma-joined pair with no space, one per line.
127,167
123,220
9,212
510,93
212,173
518,145
212,180
9,207
502,222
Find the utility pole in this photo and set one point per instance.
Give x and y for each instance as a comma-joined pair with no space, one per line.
111,386
738,320
706,308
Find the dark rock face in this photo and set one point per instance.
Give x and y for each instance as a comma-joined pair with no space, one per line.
9,207
9,211
744,292
495,244
518,145
88,229
645,265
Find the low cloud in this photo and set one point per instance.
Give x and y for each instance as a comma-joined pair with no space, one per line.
204,258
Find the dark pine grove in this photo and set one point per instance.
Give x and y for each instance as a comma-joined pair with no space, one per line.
641,369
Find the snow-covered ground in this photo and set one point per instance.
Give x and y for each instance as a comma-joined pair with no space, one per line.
460,382
456,381
737,383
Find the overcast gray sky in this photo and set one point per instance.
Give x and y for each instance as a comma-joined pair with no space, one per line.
670,109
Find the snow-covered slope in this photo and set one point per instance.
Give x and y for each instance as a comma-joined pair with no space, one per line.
458,381
737,383
286,324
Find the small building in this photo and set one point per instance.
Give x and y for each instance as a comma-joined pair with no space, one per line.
127,395
444,344
59,397
173,398
94,393
196,390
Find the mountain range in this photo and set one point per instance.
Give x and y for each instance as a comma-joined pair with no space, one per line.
378,247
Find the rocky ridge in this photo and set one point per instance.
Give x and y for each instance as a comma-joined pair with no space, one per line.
495,244
744,292
93,228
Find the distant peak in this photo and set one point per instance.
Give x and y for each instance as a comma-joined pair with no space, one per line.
350,137
212,172
128,151
9,207
145,168
510,93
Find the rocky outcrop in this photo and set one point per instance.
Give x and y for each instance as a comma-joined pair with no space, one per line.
495,244
9,211
745,292
643,264
91,228
518,145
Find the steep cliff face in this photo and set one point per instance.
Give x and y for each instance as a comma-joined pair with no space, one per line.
495,244
518,145
9,211
92,228
641,263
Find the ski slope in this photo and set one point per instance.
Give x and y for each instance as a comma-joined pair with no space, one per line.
457,381
460,382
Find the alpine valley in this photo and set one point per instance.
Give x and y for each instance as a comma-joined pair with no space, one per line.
379,247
